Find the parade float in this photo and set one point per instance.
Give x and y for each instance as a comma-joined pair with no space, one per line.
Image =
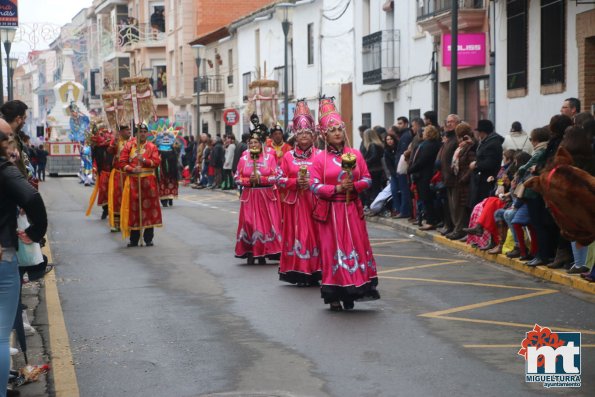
67,122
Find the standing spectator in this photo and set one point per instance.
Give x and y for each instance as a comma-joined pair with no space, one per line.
15,113
361,129
390,151
403,196
373,153
216,161
487,163
15,193
451,207
430,118
42,159
517,139
463,156
570,107
230,143
421,170
276,142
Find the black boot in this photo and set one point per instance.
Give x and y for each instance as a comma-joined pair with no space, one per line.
164,203
105,212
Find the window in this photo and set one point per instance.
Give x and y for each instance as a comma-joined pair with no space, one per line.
257,47
553,37
246,78
310,44
516,44
413,113
230,66
367,119
279,75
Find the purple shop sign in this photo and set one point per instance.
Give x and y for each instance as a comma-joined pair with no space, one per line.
471,49
9,16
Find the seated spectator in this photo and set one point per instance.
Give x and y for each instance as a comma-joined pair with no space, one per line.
484,220
517,139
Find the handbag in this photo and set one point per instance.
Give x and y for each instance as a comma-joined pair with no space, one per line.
402,166
27,254
519,190
436,183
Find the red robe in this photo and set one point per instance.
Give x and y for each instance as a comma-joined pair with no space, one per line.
116,180
278,150
141,208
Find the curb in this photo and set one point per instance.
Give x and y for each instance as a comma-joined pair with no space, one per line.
553,275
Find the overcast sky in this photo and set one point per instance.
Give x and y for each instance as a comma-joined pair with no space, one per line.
43,12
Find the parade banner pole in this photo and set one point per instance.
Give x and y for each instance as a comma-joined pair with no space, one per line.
140,201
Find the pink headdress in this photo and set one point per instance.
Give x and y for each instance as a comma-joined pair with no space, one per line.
302,119
328,117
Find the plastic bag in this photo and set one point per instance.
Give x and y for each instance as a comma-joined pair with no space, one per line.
27,254
402,166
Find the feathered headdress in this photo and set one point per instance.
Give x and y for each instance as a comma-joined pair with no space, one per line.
260,131
166,132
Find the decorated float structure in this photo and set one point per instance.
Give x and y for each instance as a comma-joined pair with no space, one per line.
67,122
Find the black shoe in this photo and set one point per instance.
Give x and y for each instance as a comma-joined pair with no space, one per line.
455,235
536,262
476,231
348,305
515,253
336,307
164,203
171,202
526,258
444,231
149,244
104,214
132,245
578,270
262,261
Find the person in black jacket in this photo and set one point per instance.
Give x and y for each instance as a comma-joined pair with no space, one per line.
216,161
403,198
373,152
390,150
487,162
15,193
422,169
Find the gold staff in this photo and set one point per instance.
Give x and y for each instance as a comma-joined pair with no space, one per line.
348,161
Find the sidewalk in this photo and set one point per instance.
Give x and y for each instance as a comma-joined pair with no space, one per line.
558,276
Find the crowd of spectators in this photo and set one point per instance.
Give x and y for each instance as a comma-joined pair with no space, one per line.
467,182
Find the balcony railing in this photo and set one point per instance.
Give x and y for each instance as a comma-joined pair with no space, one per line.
431,8
380,57
145,35
211,90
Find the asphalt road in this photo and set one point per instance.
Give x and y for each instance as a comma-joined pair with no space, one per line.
186,318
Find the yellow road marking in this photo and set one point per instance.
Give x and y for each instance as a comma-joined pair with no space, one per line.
429,280
512,324
488,303
413,257
390,242
517,346
400,269
65,382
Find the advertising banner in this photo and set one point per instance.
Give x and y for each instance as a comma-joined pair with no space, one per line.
471,49
9,16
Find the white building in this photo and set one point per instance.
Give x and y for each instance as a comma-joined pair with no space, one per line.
320,59
532,81
393,67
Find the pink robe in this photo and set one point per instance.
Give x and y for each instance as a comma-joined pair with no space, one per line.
300,258
348,265
259,225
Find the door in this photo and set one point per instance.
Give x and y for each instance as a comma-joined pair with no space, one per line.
347,110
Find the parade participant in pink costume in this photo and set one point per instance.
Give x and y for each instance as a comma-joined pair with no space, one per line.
300,258
259,226
338,175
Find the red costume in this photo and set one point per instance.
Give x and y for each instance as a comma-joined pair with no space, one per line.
116,180
279,150
141,208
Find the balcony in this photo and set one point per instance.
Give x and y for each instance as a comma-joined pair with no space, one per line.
380,57
134,37
435,15
211,90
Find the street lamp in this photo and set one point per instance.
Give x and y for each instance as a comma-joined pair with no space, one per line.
285,24
6,36
12,65
197,49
